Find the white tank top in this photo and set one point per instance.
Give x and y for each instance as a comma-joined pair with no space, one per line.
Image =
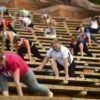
94,25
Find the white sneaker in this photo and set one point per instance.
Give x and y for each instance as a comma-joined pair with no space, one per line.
50,94
46,36
52,36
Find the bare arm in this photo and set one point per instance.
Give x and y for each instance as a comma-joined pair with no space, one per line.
17,81
82,30
43,63
81,48
28,48
66,67
72,51
26,26
11,40
54,22
1,14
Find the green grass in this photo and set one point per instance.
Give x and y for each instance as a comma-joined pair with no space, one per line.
95,1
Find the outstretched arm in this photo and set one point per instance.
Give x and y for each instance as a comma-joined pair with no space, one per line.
66,67
81,47
28,49
17,81
43,63
11,40
72,51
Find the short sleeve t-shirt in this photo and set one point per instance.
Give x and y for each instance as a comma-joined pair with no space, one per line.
26,20
12,62
94,24
60,55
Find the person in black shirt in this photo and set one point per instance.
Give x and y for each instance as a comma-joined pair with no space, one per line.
79,45
24,45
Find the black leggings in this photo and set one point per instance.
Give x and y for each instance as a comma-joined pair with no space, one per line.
8,44
11,28
34,51
6,12
85,50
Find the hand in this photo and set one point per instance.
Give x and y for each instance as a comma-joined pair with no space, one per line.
57,76
38,68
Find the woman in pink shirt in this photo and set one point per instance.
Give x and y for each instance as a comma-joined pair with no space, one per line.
14,67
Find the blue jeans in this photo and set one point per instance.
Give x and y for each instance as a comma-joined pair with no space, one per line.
93,38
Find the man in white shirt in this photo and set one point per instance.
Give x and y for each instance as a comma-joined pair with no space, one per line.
61,59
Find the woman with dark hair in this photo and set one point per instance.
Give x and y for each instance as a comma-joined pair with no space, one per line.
79,45
24,45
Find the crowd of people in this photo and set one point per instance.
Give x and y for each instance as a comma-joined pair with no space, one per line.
13,66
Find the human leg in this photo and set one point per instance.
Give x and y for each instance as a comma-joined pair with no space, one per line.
35,51
86,51
46,31
21,52
8,44
54,67
53,32
11,28
29,79
4,85
94,39
89,39
71,70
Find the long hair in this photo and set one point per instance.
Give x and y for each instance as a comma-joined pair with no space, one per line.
73,39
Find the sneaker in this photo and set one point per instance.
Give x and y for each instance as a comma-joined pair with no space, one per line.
50,94
47,36
52,36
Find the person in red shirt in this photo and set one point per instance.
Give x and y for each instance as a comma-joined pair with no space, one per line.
14,67
4,24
